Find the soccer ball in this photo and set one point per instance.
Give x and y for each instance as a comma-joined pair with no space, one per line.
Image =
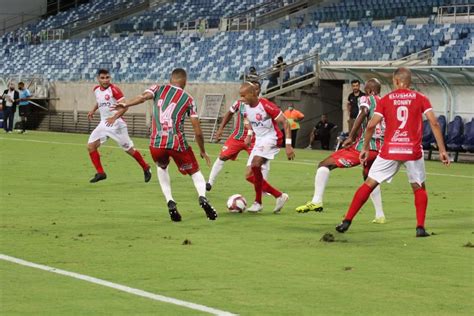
236,203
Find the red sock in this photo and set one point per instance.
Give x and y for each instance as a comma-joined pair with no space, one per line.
266,187
421,203
359,199
258,183
95,157
138,157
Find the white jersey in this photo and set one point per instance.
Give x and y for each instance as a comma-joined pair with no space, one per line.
262,119
106,98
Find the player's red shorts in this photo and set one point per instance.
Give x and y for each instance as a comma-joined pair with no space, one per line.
185,160
233,147
349,157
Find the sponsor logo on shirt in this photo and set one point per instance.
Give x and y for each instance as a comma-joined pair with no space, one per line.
400,137
107,97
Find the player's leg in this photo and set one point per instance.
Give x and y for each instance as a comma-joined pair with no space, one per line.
417,177
162,159
376,195
256,177
95,139
320,181
187,164
380,171
119,133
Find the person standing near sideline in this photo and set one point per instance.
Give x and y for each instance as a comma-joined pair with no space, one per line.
10,99
402,110
353,102
24,106
106,95
294,117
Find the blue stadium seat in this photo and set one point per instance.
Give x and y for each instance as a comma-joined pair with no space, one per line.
454,136
468,143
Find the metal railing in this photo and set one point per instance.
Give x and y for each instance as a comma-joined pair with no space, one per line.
279,75
199,26
465,11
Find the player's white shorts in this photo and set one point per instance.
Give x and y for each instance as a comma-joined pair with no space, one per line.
266,148
383,170
117,132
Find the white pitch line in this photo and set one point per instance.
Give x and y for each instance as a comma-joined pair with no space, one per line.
274,161
119,287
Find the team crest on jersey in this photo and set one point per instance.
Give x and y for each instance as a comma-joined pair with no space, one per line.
259,116
107,97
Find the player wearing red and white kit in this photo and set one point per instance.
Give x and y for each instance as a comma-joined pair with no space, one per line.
171,104
264,117
236,141
403,111
107,95
348,156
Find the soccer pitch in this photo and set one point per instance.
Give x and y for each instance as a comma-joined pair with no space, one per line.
249,264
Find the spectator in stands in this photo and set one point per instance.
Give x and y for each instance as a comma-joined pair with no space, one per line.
251,75
277,67
353,102
24,107
322,132
294,117
9,102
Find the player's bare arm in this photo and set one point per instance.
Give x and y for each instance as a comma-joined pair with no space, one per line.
200,139
227,117
90,115
443,155
281,119
369,132
363,113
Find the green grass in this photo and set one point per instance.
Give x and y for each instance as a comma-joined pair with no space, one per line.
265,264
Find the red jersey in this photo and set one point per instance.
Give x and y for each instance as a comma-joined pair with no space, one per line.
403,111
171,104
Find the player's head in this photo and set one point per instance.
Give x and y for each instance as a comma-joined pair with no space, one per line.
11,86
402,78
291,107
179,77
103,76
257,85
373,86
324,118
21,85
355,85
248,93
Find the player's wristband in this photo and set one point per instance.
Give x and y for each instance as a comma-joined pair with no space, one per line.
288,141
250,133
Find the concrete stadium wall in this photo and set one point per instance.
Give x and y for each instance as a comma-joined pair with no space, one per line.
79,95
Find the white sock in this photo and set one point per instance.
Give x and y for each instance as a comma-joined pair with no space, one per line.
266,170
216,168
320,181
165,182
199,183
376,197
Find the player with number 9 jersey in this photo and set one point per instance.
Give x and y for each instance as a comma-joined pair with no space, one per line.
403,111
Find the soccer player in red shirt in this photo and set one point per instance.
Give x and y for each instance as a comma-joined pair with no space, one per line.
171,104
236,141
264,117
107,94
403,111
348,156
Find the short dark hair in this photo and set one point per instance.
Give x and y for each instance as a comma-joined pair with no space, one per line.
280,58
355,81
179,72
102,71
21,83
